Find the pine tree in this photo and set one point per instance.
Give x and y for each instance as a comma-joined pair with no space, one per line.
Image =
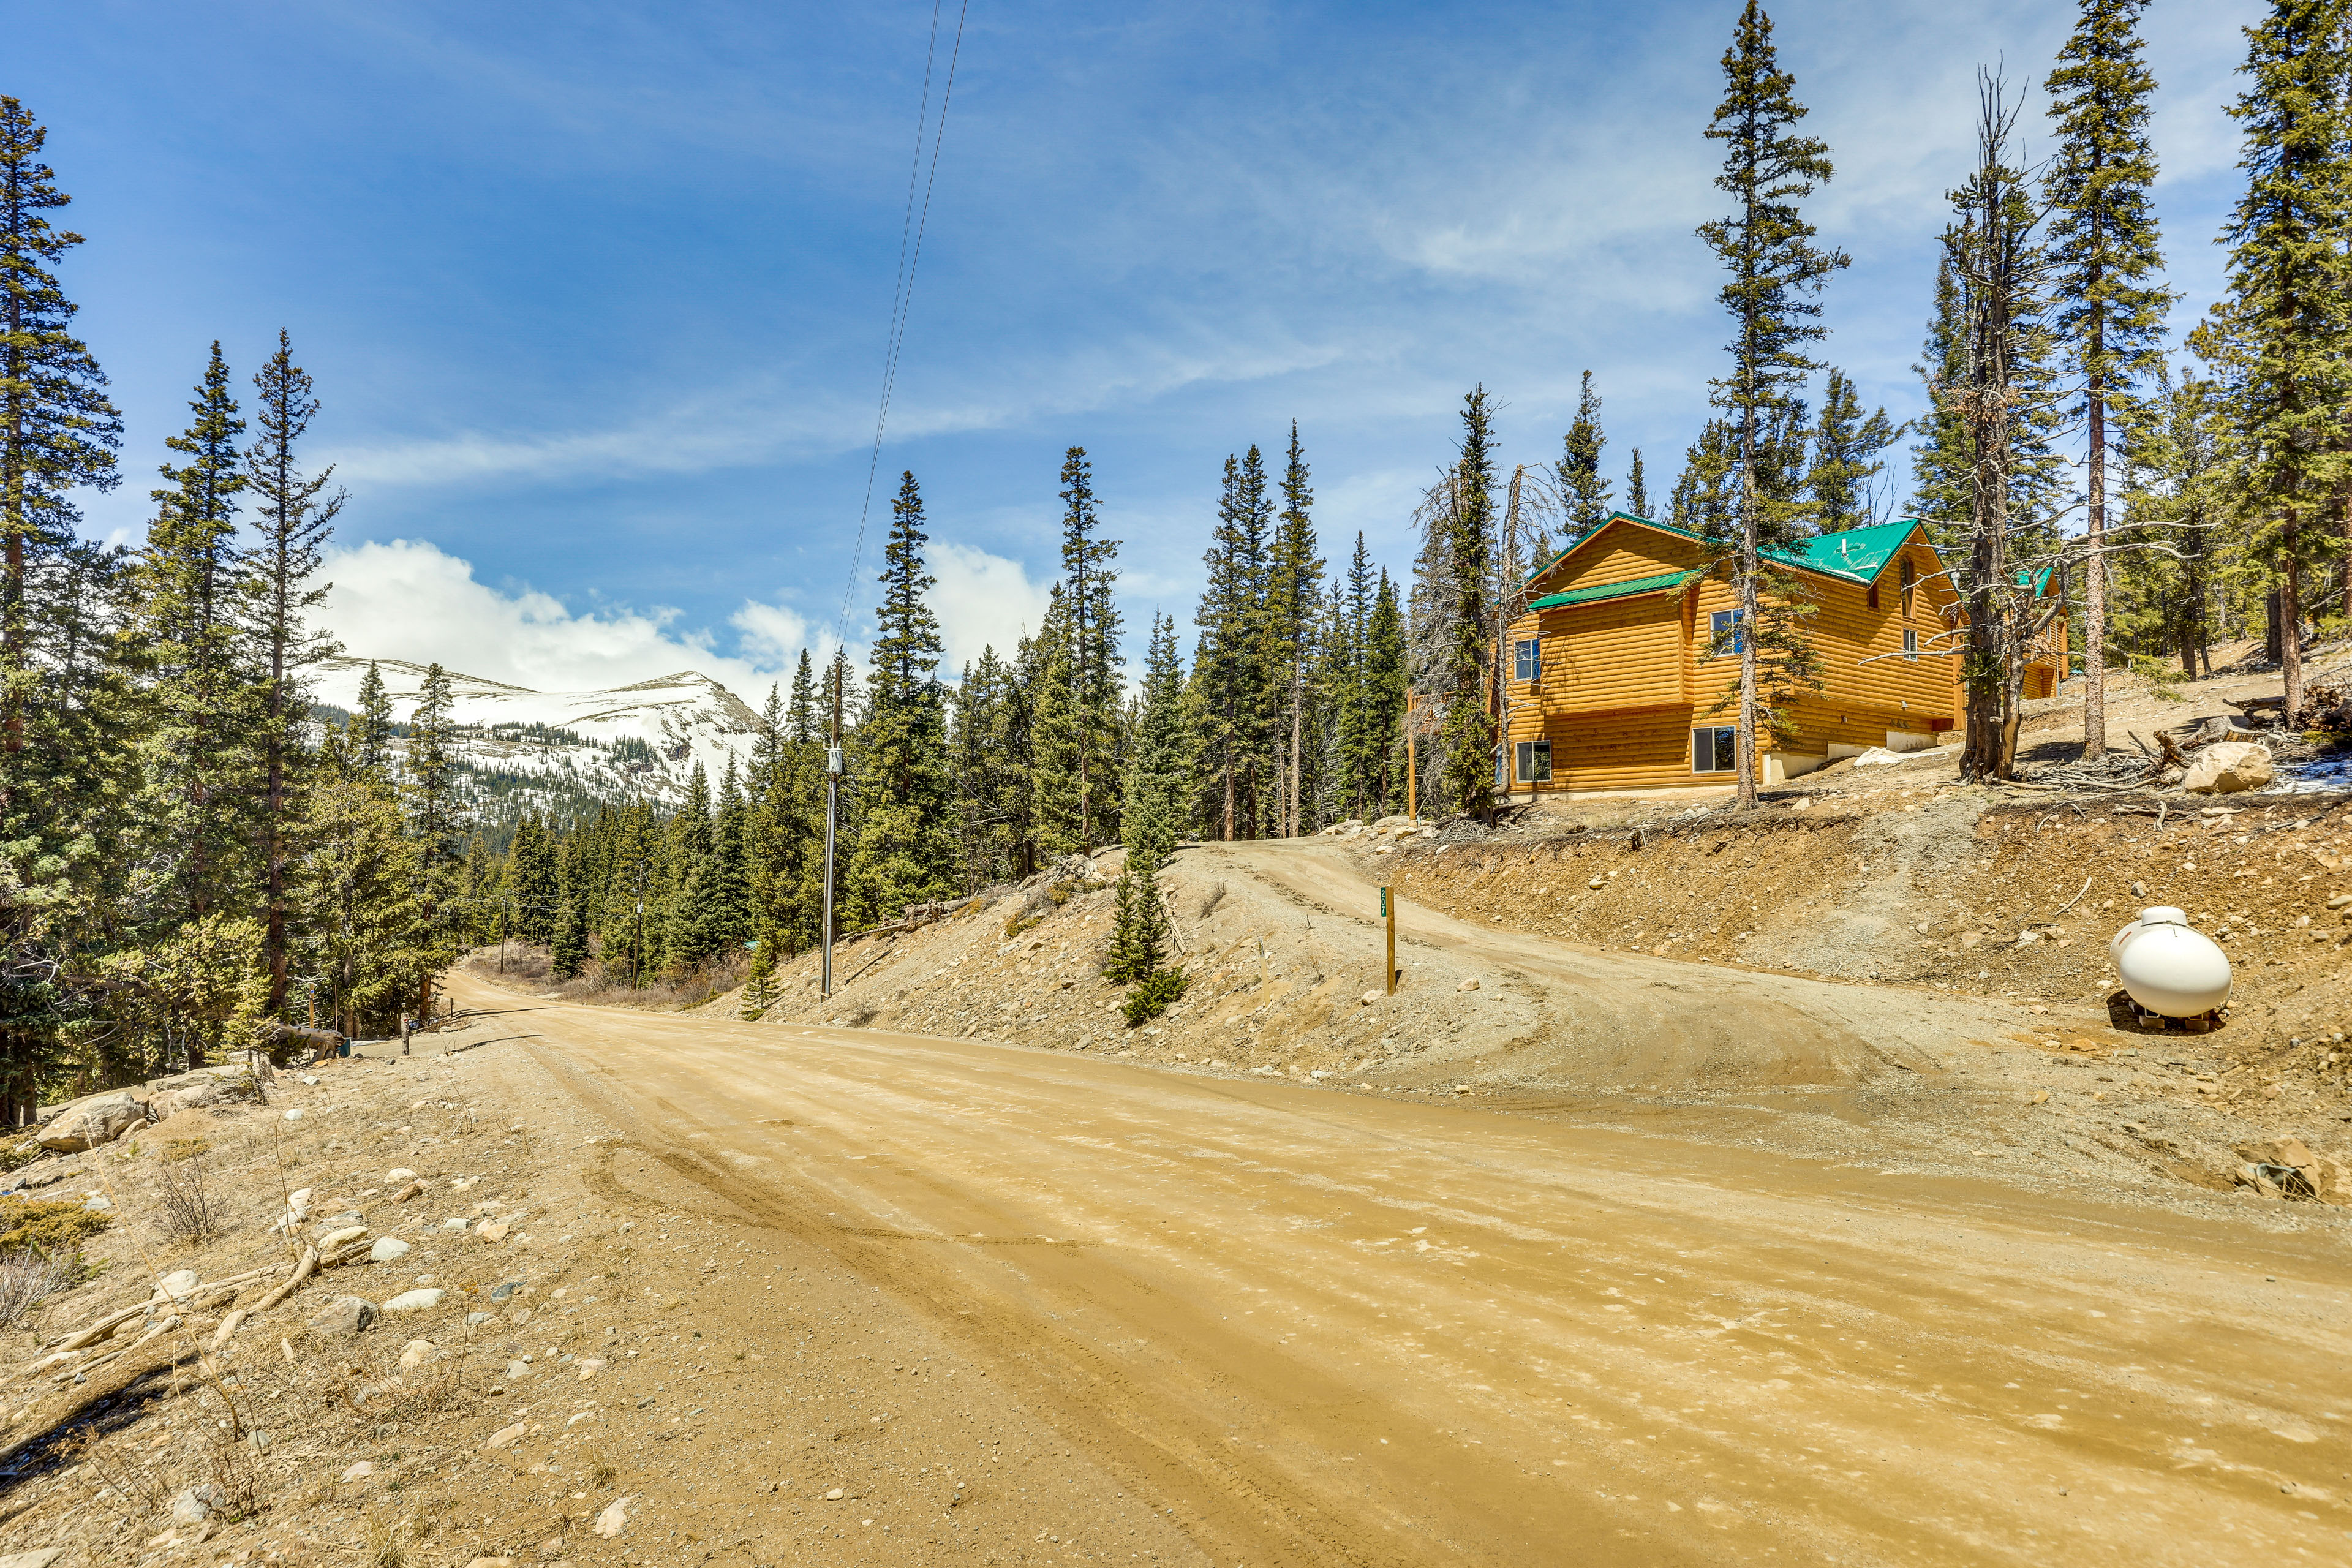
1229,664
1469,723
203,685
1385,688
59,759
1158,765
2277,340
568,952
295,516
356,894
729,916
1706,494
1055,743
372,747
1637,487
1094,656
759,991
2173,449
1582,491
2104,252
1293,574
904,849
1777,274
434,808
1843,480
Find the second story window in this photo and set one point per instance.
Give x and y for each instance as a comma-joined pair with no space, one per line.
1910,644
1527,660
1721,637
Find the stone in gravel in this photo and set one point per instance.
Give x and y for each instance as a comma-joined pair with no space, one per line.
517,1371
414,1190
359,1471
180,1283
394,1177
474,1319
492,1230
416,1352
1467,985
343,1315
295,1114
614,1519
505,1434
387,1249
415,1300
834,1496
590,1367
195,1505
454,1221
500,1293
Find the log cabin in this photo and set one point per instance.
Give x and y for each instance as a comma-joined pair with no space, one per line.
1616,671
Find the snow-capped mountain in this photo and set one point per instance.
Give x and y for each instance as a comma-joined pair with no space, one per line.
539,751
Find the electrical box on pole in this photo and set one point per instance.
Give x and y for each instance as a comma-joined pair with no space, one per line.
1387,914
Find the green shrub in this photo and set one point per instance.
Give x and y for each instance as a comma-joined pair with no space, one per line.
54,1228
1152,995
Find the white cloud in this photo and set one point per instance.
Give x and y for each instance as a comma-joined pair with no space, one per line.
409,599
981,600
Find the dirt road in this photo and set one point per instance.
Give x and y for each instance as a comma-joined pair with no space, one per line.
1322,1328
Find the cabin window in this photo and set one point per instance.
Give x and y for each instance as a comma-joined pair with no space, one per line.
1873,595
1535,762
1720,637
1715,750
1529,659
1910,644
1910,581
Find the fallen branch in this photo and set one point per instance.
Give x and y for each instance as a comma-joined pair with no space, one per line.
302,1270
97,1330
2077,897
167,1326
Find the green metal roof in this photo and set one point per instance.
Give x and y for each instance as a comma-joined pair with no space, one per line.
1858,555
1627,590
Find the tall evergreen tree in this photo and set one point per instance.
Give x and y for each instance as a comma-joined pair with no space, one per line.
1469,725
1229,665
2106,256
905,850
203,686
1094,656
295,515
1637,487
1294,580
371,746
1582,491
1843,480
2278,340
1777,274
1385,686
61,771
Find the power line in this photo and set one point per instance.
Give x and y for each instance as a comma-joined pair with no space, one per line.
902,292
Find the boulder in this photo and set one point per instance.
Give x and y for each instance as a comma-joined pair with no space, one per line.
2226,767
197,1504
387,1249
345,1315
99,1118
421,1300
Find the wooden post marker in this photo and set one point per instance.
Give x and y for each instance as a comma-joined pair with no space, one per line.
1388,913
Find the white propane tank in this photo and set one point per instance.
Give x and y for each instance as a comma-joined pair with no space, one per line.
2169,967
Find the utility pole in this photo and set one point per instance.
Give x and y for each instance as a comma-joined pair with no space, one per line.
638,964
1412,791
831,810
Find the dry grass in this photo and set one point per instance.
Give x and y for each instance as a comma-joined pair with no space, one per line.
27,1278
185,1208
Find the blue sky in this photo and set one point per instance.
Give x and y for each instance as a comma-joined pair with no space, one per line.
595,295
